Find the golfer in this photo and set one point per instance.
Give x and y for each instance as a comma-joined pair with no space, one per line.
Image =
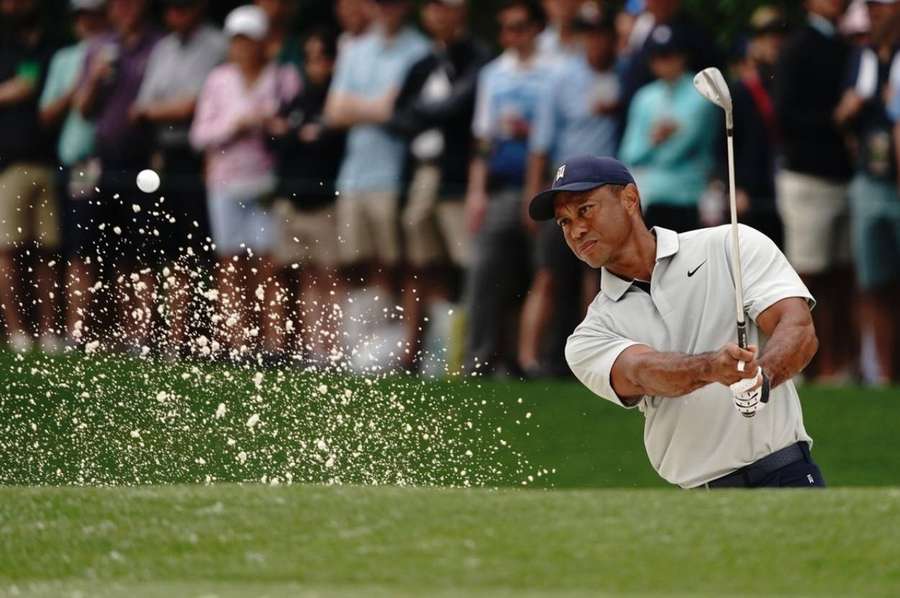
659,335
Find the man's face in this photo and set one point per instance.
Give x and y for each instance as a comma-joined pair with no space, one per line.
830,9
663,10
668,66
89,23
393,13
318,64
561,11
517,31
766,48
17,10
441,21
126,15
596,223
353,15
599,47
182,19
882,16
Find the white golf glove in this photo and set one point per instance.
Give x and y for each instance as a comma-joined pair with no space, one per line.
751,394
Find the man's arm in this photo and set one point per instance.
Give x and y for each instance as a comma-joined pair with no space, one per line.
16,90
176,110
476,194
343,110
640,370
792,339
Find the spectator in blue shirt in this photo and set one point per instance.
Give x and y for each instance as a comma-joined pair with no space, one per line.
576,116
506,104
367,79
670,138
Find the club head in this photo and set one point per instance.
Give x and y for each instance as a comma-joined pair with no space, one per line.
712,86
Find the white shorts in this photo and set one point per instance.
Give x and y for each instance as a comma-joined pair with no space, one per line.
368,227
306,236
816,218
434,227
240,224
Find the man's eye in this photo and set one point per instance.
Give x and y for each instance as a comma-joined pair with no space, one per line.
583,210
562,223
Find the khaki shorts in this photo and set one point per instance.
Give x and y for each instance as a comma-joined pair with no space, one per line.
28,206
305,237
816,220
434,229
368,227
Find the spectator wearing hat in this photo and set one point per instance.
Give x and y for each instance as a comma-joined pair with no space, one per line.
509,90
699,49
434,111
670,137
756,133
177,68
29,214
237,100
874,198
121,239
367,79
577,115
282,45
74,151
309,153
815,169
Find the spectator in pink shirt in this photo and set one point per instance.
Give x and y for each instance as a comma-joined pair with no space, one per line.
237,100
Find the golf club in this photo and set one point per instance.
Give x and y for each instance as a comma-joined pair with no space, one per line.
711,85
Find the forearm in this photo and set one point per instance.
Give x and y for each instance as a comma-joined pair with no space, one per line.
670,374
86,98
54,112
171,111
477,175
789,350
534,177
16,90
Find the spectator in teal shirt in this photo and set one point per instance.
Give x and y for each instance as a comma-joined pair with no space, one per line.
670,138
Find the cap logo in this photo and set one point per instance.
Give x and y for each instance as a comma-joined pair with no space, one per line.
560,173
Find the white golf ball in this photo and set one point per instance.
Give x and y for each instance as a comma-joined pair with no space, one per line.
148,181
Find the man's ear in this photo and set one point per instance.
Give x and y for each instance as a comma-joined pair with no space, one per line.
631,199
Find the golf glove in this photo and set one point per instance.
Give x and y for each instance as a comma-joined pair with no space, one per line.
751,394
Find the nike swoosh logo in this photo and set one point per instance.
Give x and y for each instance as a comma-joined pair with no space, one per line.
694,271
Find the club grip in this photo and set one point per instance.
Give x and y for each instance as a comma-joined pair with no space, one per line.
742,334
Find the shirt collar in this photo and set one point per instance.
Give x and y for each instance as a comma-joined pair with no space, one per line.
822,25
666,246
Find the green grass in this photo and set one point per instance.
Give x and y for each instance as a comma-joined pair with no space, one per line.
254,540
593,519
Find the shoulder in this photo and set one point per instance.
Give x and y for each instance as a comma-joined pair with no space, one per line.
223,75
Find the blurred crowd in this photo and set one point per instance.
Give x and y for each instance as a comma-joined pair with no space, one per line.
389,160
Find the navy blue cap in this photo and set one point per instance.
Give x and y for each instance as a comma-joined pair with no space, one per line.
579,174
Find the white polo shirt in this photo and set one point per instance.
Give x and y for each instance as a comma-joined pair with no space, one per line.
700,436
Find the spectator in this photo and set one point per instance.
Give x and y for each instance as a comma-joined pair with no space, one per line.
669,138
177,68
509,88
699,49
874,198
812,185
366,83
75,151
282,46
559,37
309,155
237,100
113,72
435,109
576,116
755,132
29,223
354,18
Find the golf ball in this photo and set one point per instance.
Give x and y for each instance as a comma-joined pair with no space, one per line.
148,181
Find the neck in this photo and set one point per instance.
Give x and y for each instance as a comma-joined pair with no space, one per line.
251,70
526,52
637,256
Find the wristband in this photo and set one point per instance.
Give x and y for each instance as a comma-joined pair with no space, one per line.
764,391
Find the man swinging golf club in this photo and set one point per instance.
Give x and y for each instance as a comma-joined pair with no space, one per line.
660,334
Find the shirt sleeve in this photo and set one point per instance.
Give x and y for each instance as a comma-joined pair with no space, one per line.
767,275
147,93
340,82
53,88
591,352
545,125
481,123
893,105
636,148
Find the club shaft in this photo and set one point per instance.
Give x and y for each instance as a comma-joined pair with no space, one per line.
735,240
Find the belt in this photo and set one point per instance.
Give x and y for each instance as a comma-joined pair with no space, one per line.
751,475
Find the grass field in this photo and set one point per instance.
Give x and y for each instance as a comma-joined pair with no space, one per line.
189,518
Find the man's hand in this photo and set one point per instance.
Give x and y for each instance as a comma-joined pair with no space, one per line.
475,209
663,130
751,394
725,362
850,105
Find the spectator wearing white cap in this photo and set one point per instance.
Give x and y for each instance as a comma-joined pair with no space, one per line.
236,102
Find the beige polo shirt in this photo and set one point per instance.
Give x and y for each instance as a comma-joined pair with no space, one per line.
700,436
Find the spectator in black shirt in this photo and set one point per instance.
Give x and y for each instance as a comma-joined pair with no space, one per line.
811,187
309,155
434,110
29,212
756,135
